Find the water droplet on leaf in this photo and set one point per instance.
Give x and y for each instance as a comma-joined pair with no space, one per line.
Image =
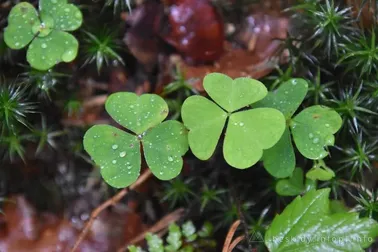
114,147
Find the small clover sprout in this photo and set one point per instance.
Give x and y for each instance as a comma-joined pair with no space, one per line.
312,129
293,185
118,152
248,132
46,32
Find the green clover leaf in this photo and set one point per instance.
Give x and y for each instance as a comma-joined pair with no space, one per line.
307,224
118,152
312,129
46,33
291,186
320,171
248,132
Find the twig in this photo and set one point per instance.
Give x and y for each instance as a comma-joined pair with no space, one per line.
108,203
229,236
95,101
160,225
235,242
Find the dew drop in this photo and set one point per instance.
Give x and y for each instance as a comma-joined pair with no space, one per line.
327,125
43,45
310,135
114,146
161,173
316,140
17,44
170,158
67,10
294,82
131,106
122,154
241,124
67,56
114,161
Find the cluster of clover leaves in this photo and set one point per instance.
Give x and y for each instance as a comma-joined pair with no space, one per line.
258,128
45,32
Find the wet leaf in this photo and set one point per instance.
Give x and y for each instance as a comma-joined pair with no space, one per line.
205,120
67,17
116,152
45,52
136,113
249,133
292,186
21,20
279,160
50,44
287,98
322,174
313,130
233,94
306,224
164,146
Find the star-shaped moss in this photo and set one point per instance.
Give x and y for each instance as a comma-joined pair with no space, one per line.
45,32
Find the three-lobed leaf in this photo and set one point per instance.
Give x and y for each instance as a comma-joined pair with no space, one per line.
248,132
306,224
118,152
46,32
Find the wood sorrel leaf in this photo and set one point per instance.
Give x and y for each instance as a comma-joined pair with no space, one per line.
233,94
136,113
67,17
205,121
116,152
45,52
287,98
306,224
322,174
21,20
249,133
279,160
313,130
291,186
164,146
